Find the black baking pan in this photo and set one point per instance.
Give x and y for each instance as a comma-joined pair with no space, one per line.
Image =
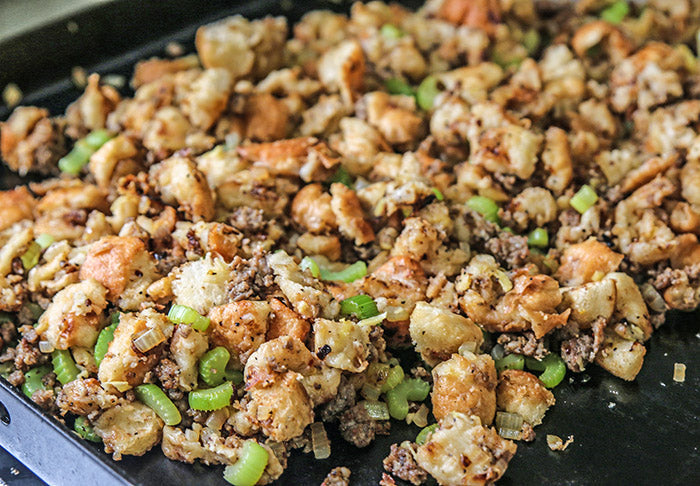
645,432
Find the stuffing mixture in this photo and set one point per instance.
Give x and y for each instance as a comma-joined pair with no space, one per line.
232,259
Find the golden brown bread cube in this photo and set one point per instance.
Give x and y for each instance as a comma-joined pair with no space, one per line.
465,384
523,393
129,428
240,326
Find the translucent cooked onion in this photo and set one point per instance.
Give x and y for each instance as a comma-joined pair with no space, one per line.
377,410
509,425
149,339
319,441
217,419
467,348
420,418
371,392
653,298
397,313
45,347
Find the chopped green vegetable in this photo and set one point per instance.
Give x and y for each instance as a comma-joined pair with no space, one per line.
249,467
393,378
484,206
97,138
31,257
44,240
377,410
531,41
212,366
105,337
33,380
438,194
398,86
348,274
85,431
6,369
410,389
341,175
310,264
422,436
181,314
362,306
371,392
552,366
211,398
79,156
538,237
510,362
5,317
427,92
64,366
236,376
615,12
152,396
584,199
390,31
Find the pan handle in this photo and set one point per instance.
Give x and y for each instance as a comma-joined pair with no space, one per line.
46,446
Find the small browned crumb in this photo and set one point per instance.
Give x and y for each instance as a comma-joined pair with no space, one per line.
387,480
339,476
12,95
400,463
678,372
555,442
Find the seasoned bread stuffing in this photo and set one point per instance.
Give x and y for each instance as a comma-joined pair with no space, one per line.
265,233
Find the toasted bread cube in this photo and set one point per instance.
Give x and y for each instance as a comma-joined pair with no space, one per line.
438,333
523,393
240,326
74,316
129,428
15,205
620,357
466,385
124,266
463,452
124,366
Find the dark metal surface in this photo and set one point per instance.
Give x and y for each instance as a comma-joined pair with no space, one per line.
646,432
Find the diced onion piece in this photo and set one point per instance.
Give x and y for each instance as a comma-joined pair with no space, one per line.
149,339
373,321
678,372
509,425
217,419
371,392
467,348
377,410
250,465
181,314
121,386
397,313
155,398
422,436
556,444
584,199
503,279
497,352
394,377
319,441
421,416
653,298
46,347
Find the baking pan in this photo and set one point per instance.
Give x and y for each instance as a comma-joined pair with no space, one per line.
645,432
